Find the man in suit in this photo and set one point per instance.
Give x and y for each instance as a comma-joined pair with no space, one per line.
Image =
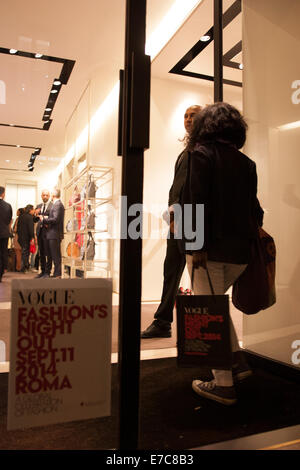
174,263
41,233
5,223
55,230
25,231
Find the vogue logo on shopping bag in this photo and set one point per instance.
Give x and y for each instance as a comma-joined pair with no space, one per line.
203,331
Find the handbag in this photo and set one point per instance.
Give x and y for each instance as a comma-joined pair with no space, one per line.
32,247
73,250
89,253
72,225
92,187
203,330
255,289
75,197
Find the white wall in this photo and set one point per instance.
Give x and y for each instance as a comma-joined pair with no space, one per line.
270,56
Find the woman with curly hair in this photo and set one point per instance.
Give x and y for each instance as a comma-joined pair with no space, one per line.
222,178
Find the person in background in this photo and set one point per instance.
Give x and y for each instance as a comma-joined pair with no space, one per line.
41,234
16,244
174,263
55,230
5,230
225,181
25,231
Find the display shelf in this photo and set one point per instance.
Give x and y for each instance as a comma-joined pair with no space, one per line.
81,201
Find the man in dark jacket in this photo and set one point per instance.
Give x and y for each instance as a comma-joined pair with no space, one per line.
5,222
25,231
55,230
41,233
174,263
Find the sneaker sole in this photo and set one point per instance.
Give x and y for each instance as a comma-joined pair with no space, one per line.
242,375
167,335
211,396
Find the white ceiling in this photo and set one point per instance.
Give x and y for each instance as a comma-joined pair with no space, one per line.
91,33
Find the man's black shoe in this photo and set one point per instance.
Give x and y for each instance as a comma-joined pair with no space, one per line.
155,331
40,275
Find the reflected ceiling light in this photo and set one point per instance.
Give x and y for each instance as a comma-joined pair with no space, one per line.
172,21
38,56
168,26
57,82
13,51
53,91
290,125
205,38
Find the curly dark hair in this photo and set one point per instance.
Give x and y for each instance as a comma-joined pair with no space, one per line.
218,122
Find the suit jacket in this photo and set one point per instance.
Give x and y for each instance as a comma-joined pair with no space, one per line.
180,173
55,221
25,228
5,218
38,220
225,181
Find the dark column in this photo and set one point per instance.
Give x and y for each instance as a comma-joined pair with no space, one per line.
218,50
133,139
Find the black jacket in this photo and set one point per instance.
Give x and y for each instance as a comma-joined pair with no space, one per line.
37,219
225,181
5,218
25,228
55,221
180,172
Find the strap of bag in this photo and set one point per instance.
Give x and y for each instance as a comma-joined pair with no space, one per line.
209,280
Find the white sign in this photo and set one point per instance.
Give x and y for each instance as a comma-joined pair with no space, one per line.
60,351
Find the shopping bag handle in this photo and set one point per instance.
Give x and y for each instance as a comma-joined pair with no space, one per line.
209,280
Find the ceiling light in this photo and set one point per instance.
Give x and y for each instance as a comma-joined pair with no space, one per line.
12,125
18,146
53,91
57,82
38,56
48,109
13,51
169,25
205,38
241,66
7,161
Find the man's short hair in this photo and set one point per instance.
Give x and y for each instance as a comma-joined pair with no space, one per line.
56,192
2,190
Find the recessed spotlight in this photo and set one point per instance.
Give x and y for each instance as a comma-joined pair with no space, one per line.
241,66
48,109
205,38
57,82
53,91
18,145
7,161
38,56
46,115
13,51
12,125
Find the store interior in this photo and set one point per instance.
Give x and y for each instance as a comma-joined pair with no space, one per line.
59,111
